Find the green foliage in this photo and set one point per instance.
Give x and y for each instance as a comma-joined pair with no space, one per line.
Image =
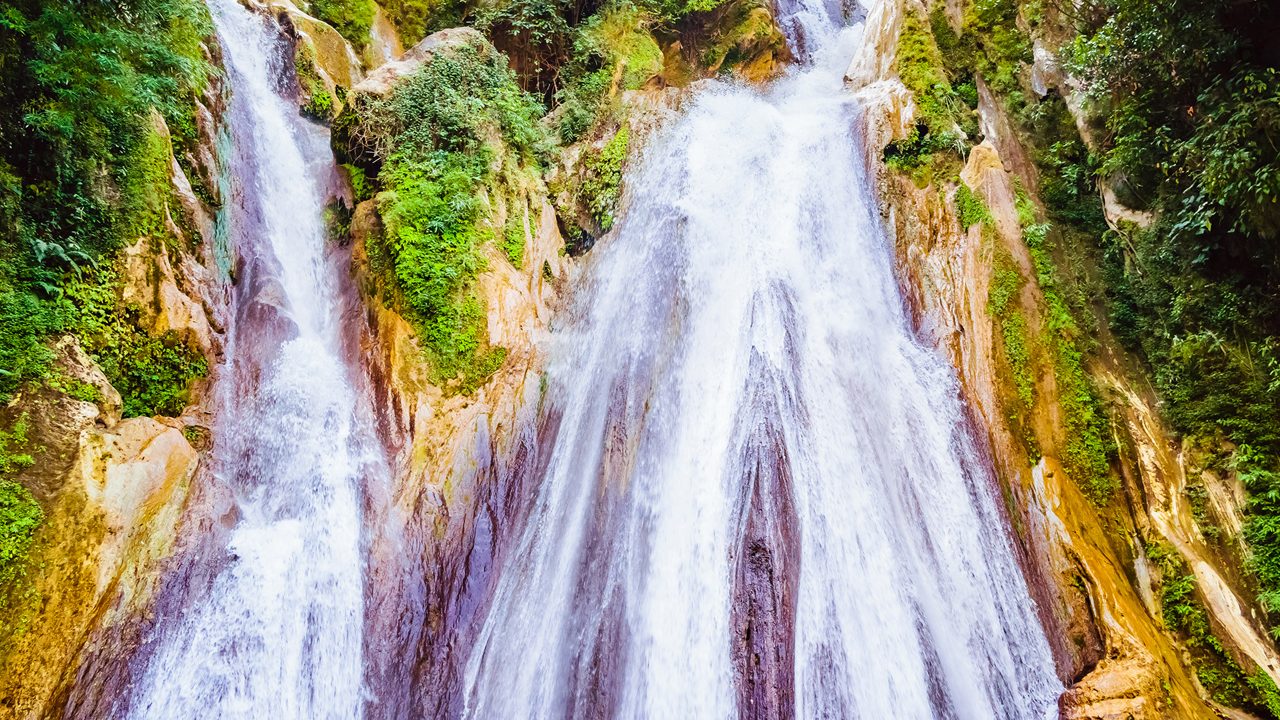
351,18
995,47
1002,304
362,187
1089,448
431,210
20,514
513,238
581,104
602,184
536,34
621,35
1189,99
970,208
1261,477
74,388
617,40
320,105
337,221
944,119
990,45
1017,350
1189,96
415,19
1229,166
673,10
81,169
1191,103
1184,613
14,450
153,374
431,135
26,318
450,104
749,31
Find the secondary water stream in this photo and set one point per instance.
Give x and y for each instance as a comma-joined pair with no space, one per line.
763,499
278,632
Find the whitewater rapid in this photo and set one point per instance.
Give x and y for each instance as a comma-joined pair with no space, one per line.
762,497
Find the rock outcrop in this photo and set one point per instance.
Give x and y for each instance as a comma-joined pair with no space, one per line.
382,80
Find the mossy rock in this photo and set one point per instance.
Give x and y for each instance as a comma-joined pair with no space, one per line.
752,46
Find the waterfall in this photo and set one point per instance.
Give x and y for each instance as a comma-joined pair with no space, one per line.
763,498
277,630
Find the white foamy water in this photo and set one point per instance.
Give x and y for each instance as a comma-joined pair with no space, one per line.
278,632
739,357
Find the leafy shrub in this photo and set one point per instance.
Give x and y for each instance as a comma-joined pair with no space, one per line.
153,374
1089,448
20,515
536,35
602,185
616,41
944,119
970,208
415,19
320,105
431,136
1184,613
351,18
1189,97
621,35
513,238
82,170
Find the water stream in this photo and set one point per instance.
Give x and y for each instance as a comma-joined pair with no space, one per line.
279,630
761,495
763,498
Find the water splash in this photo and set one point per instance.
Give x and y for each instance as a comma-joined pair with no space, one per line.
763,499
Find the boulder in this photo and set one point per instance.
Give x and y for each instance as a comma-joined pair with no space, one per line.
383,80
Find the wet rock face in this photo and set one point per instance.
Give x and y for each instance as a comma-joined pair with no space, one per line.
110,516
462,467
764,593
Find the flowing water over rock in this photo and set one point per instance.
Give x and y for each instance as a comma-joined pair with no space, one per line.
763,498
277,632
755,492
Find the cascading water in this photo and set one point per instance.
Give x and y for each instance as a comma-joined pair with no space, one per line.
278,631
763,499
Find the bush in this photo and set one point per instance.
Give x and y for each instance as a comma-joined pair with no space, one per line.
153,374
513,237
944,120
1184,613
970,208
616,41
415,19
431,136
1189,97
